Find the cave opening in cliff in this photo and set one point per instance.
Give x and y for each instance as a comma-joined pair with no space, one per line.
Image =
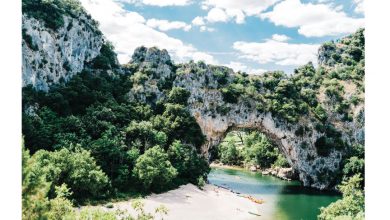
248,148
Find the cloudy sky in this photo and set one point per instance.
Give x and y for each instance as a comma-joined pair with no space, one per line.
246,35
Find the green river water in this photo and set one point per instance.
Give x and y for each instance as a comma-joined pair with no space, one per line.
284,200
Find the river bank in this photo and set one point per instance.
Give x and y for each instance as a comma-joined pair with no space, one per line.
191,203
279,172
282,200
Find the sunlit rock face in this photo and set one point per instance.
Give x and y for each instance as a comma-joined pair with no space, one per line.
52,56
217,117
152,72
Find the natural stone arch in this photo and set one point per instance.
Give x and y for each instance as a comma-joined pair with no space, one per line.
262,125
314,170
285,139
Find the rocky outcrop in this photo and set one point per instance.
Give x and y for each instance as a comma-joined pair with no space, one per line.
216,118
152,71
280,172
52,56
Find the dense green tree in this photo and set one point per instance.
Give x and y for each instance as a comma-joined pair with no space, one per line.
351,206
114,157
35,188
179,124
153,170
259,150
36,203
187,162
75,168
39,129
107,58
229,154
142,135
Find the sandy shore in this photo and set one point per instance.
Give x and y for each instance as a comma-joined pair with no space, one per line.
189,202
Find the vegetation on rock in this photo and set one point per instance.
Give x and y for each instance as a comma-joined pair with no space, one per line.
113,128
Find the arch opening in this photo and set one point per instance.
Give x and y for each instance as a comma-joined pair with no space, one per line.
248,147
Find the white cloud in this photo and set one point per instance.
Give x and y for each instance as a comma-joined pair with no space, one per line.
217,15
237,66
359,6
160,3
198,21
208,29
233,9
313,20
165,25
281,53
204,7
249,7
280,37
128,30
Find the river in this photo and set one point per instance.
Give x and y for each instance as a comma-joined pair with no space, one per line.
284,200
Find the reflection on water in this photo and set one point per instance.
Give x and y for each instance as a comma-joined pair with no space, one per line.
284,200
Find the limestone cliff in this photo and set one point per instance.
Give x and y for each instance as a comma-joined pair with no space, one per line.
152,72
51,56
314,116
314,170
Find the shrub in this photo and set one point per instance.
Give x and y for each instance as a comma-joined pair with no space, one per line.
114,157
354,165
60,207
51,12
153,170
351,206
223,109
76,168
178,95
66,66
35,203
229,154
281,161
259,150
178,124
94,213
143,135
320,113
220,76
323,146
28,39
201,183
187,162
109,205
232,92
35,193
106,59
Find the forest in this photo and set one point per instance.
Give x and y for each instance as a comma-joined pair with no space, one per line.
86,141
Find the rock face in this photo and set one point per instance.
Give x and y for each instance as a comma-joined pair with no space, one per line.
52,56
152,72
282,173
217,117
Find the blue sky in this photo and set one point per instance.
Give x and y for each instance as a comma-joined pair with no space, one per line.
247,35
